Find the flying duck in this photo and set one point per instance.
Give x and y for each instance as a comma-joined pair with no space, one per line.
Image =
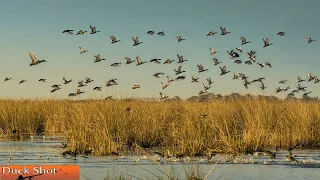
80,84
78,91
179,71
161,33
248,62
233,54
97,58
136,41
281,33
150,32
316,79
66,81
282,81
286,89
211,33
81,32
170,79
113,81
310,77
239,49
88,80
139,61
93,30
98,88
7,79
295,91
223,31
72,94
259,79
238,61
162,96
109,97
164,85
22,81
300,80
181,59
301,88
235,76
129,61
156,75
209,81
200,68
212,51
290,95
42,80
266,42
216,61
34,60
67,31
202,92
306,94
179,38
278,89
55,88
193,79
206,87
82,50
113,39
224,70
309,40
262,87
168,61
136,86
118,64
157,61
180,78
244,41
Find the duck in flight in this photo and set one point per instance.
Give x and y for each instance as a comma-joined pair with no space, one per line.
211,33
224,70
97,58
150,32
67,31
244,41
42,80
309,40
129,61
66,81
114,39
34,60
81,32
93,30
136,41
82,50
223,31
179,39
7,79
139,61
266,42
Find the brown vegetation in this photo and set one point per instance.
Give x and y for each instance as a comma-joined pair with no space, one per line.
185,127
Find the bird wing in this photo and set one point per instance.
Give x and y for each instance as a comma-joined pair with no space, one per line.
33,58
224,68
139,59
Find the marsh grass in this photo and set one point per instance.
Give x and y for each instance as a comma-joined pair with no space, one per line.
233,126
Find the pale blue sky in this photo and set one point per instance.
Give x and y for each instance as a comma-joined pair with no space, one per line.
37,26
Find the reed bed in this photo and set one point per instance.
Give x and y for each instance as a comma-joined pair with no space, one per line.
183,127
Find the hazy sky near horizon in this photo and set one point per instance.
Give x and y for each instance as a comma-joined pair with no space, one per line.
37,26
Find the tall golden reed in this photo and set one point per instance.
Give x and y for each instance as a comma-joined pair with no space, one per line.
239,125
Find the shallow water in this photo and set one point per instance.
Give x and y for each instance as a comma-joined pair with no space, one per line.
39,151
